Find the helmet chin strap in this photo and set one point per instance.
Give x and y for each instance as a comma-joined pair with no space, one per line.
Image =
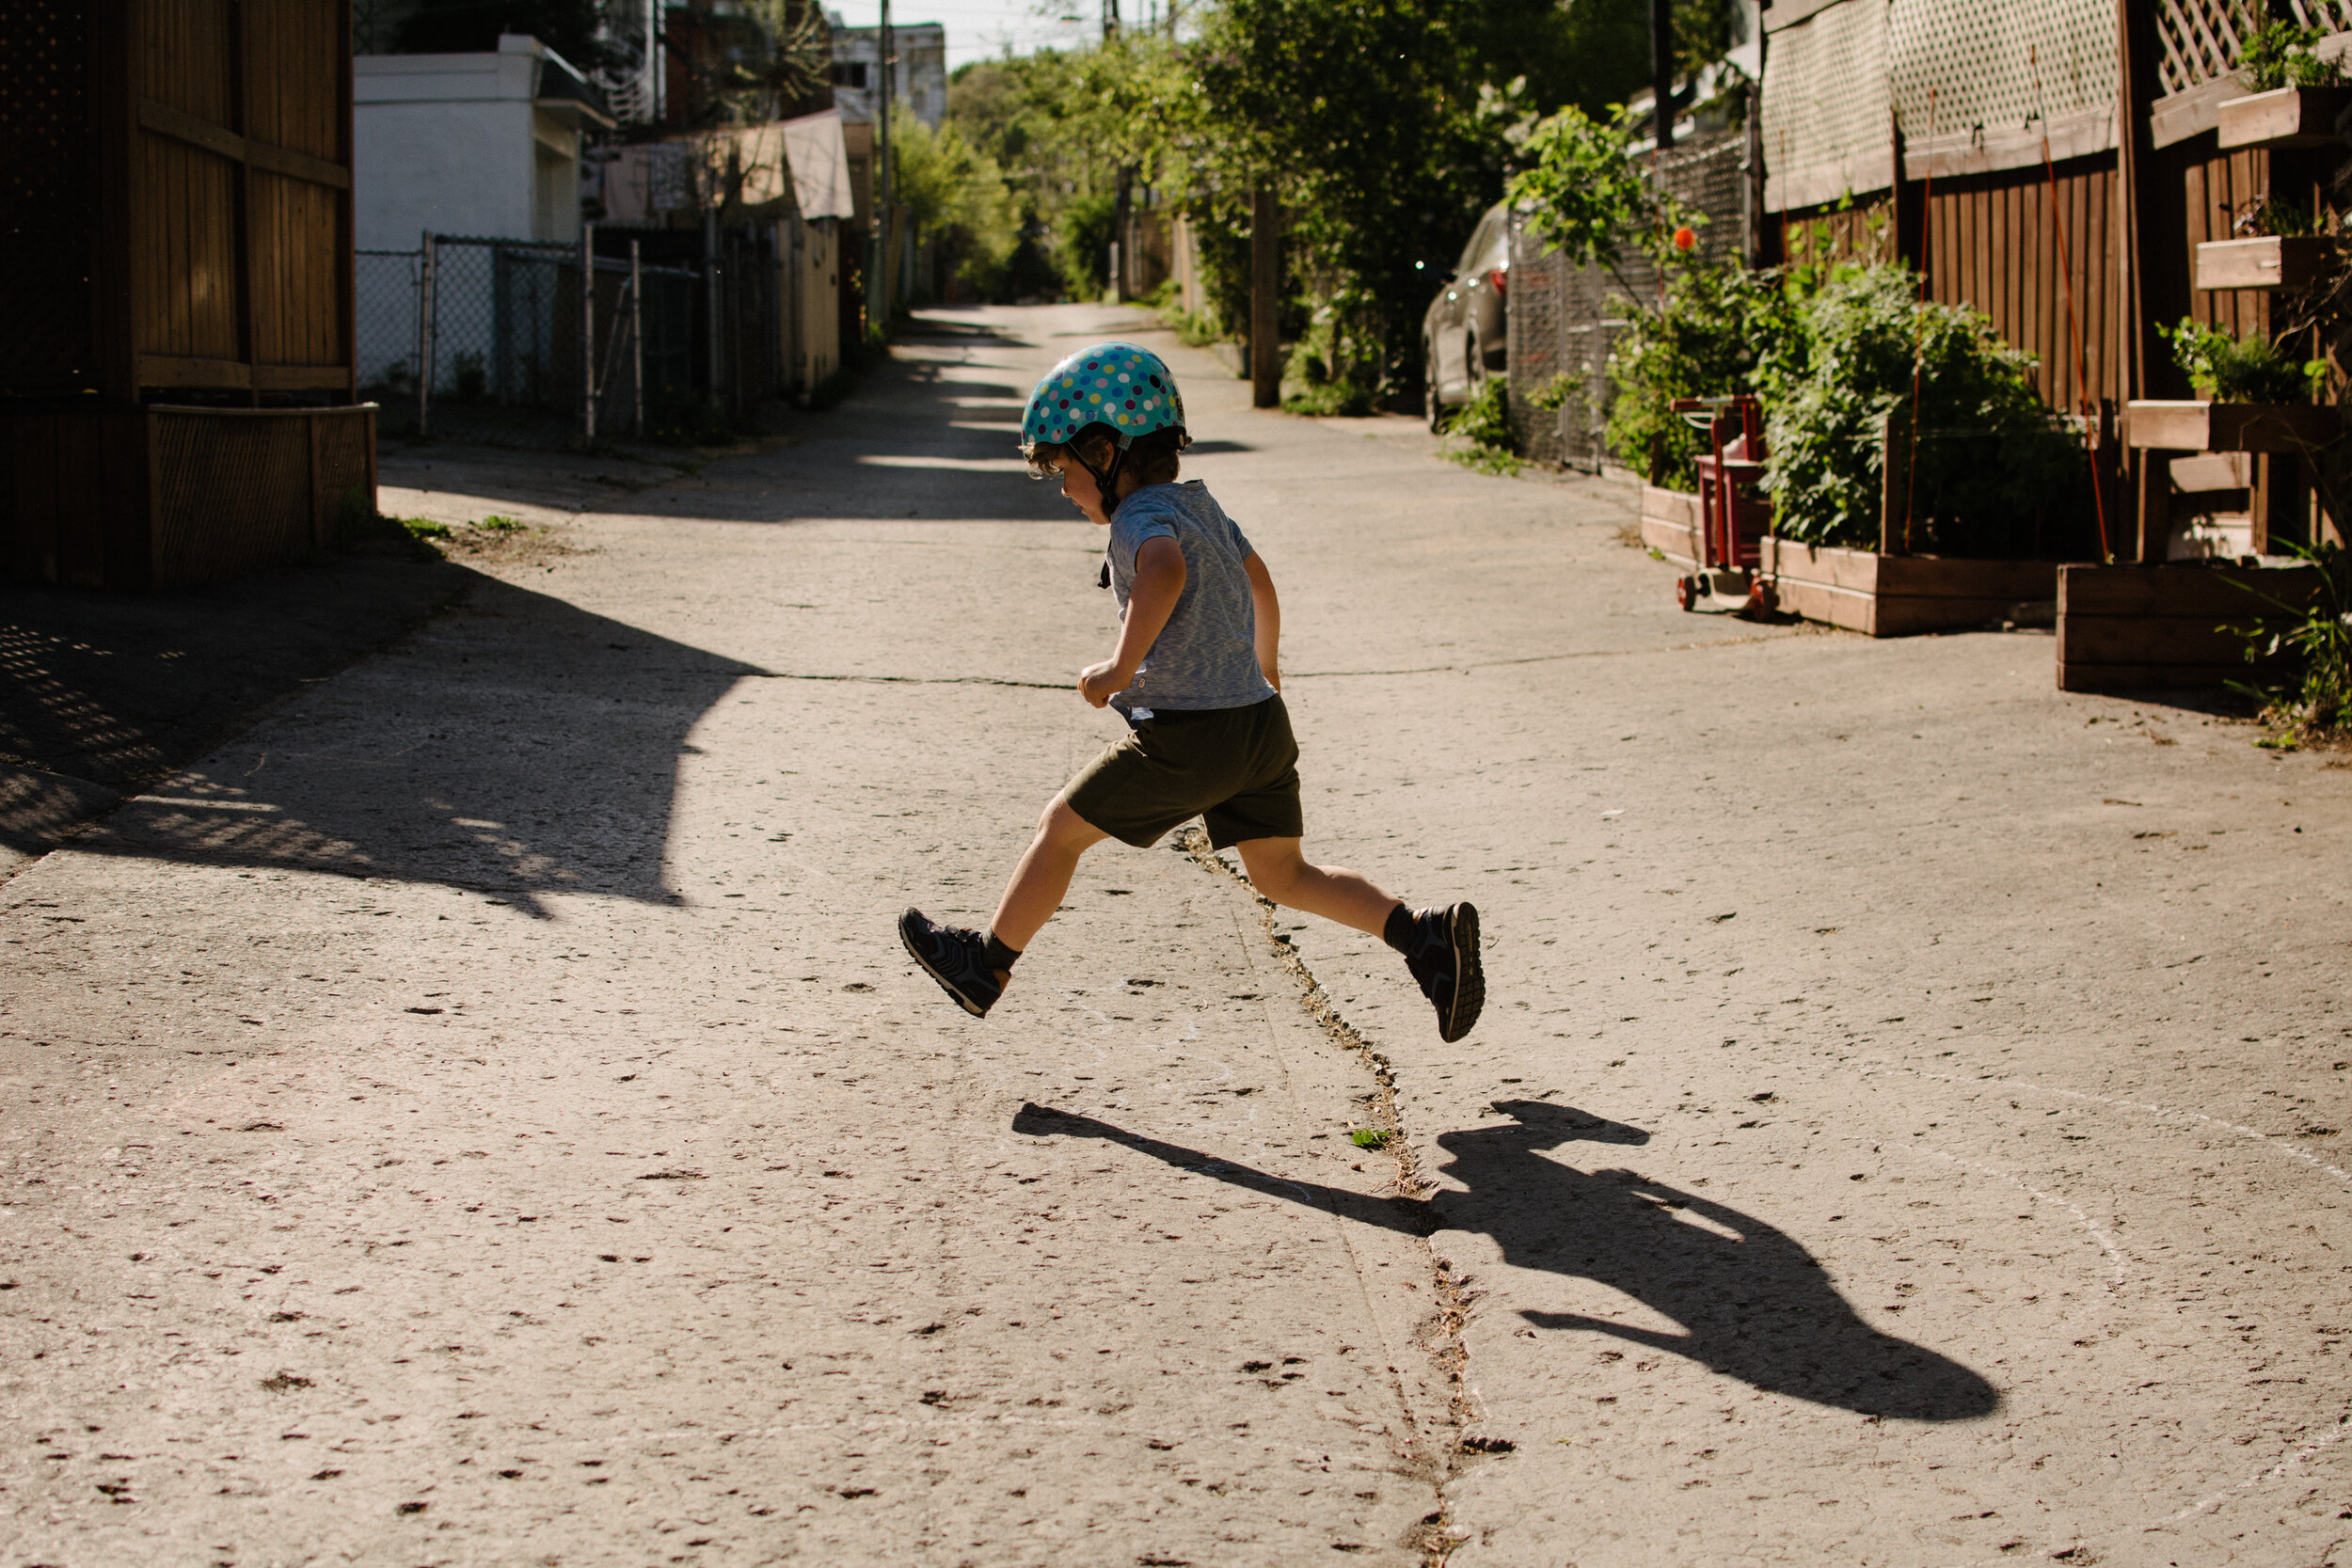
1105,480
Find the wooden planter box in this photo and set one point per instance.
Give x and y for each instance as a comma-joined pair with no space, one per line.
160,497
2287,117
2277,261
2129,628
1894,596
2294,428
1670,524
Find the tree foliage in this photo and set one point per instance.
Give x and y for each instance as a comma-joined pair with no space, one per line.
1067,129
1385,127
1367,119
955,194
1707,339
757,61
1588,193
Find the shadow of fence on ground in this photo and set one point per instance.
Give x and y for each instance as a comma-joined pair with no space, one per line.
518,746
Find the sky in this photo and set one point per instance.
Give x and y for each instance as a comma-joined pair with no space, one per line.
981,29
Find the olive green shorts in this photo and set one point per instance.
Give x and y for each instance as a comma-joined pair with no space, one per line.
1235,767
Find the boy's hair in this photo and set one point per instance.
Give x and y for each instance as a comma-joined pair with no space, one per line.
1153,458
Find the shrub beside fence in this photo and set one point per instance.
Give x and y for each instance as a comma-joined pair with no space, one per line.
1565,320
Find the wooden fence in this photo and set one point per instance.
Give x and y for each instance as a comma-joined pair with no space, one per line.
2037,253
179,233
2079,260
162,496
229,263
178,191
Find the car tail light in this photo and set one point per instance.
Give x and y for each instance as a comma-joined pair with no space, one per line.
1500,280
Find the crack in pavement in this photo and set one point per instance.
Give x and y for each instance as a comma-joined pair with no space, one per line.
1292,675
1449,1450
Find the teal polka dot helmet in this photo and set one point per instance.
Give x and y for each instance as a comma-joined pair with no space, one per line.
1126,387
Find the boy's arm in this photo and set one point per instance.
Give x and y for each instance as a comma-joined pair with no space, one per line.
1151,600
1269,618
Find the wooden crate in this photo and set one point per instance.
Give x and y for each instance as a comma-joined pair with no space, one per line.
1896,596
162,496
2126,629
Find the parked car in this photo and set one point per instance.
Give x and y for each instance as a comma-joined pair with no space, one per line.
1462,335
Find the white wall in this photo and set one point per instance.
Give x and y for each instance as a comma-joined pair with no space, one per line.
453,168
810,253
922,73
453,143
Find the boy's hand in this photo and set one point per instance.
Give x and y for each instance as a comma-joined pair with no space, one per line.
1159,581
1099,683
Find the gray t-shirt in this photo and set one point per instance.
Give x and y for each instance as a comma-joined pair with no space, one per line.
1206,656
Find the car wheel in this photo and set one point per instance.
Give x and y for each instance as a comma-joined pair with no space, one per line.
1473,364
1432,410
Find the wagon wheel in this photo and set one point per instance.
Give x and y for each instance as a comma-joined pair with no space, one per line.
1763,601
1686,592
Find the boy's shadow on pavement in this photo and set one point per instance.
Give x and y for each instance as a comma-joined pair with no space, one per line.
1756,1307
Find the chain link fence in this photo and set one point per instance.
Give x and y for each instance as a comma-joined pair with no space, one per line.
1565,320
506,341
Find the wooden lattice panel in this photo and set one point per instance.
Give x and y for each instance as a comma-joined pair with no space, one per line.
2000,67
1825,107
2201,39
45,189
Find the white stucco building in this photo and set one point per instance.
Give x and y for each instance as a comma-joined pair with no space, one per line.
484,144
922,74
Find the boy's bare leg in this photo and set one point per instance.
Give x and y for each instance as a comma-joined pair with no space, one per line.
1278,870
1043,877
1439,945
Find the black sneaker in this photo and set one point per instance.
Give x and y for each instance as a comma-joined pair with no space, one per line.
951,955
1445,960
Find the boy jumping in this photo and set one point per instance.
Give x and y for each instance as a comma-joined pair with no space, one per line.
1195,677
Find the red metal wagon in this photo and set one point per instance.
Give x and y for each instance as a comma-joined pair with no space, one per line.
1734,514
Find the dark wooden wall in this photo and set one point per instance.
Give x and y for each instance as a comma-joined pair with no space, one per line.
1995,242
1990,241
2216,187
186,283
48,185
1863,231
298,66
157,497
179,176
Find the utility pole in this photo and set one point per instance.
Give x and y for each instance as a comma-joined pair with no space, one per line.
1122,215
588,331
878,269
637,339
1266,282
711,302
1661,70
428,351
